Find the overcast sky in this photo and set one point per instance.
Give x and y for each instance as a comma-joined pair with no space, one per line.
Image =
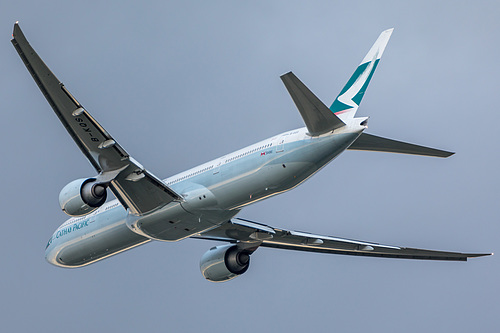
180,83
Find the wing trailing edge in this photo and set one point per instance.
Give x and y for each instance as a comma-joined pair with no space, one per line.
135,187
248,233
371,142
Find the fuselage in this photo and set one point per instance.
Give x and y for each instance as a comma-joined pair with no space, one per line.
213,193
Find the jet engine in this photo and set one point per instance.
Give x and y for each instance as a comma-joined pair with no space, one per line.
224,262
82,196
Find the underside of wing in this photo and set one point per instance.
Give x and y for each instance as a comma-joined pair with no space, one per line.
135,187
141,192
249,232
95,142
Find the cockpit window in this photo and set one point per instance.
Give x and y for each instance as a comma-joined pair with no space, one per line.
48,243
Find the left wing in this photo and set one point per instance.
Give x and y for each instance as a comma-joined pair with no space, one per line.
135,187
252,234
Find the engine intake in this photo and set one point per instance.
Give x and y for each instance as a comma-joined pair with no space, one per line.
82,196
224,262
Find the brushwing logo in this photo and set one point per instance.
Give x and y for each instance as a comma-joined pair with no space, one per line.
350,97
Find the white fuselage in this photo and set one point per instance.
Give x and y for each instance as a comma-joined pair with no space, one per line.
212,194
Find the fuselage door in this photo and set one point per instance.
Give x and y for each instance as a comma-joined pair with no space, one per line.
217,166
281,144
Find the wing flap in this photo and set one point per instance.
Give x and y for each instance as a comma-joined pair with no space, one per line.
248,232
141,191
376,143
85,130
135,187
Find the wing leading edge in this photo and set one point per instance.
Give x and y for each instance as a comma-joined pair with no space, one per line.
135,187
253,234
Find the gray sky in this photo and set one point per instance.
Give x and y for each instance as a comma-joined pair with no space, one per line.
180,83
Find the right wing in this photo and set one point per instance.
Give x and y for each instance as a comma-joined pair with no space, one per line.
135,187
252,235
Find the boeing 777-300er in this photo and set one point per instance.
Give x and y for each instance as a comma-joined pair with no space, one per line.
203,202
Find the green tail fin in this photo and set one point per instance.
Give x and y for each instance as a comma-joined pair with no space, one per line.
347,102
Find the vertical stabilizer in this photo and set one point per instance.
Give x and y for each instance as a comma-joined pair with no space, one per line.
347,102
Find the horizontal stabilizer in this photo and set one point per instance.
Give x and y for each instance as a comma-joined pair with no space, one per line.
376,143
318,117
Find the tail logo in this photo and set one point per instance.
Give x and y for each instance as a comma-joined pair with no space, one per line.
353,92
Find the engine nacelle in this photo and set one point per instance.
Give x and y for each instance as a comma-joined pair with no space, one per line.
224,262
82,196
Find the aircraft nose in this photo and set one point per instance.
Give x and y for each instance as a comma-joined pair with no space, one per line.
51,254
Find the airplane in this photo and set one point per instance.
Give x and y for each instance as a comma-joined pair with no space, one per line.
203,202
